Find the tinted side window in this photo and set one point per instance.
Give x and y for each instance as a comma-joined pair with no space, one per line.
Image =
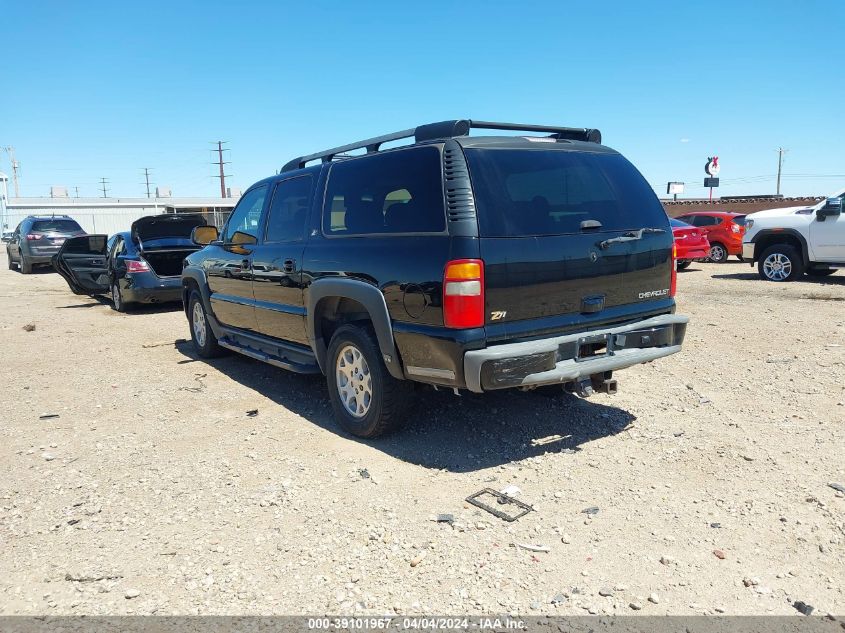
289,210
400,191
246,216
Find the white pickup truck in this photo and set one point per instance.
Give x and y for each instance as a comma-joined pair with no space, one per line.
786,243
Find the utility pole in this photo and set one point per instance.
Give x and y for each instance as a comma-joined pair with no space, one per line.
780,152
15,167
220,164
147,178
77,191
104,182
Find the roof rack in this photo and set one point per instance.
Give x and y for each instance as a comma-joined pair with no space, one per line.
446,129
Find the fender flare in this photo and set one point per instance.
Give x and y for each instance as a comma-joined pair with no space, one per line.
764,234
373,301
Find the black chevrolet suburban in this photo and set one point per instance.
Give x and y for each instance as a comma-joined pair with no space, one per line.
464,262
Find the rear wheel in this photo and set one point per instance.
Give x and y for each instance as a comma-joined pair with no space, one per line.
366,399
781,262
204,340
9,259
718,253
739,257
25,266
684,265
117,298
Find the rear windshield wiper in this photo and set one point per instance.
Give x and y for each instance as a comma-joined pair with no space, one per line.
630,236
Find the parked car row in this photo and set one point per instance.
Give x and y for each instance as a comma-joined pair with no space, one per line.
462,262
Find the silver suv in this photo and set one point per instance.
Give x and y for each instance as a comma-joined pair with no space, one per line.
37,238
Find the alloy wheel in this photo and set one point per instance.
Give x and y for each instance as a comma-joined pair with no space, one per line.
354,381
777,267
199,325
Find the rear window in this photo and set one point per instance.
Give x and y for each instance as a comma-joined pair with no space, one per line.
740,219
56,225
677,224
546,192
392,192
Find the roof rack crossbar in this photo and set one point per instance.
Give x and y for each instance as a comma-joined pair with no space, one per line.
444,130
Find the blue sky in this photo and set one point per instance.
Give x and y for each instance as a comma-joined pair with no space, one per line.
102,89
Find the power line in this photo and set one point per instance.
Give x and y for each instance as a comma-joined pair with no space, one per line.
104,182
220,163
147,179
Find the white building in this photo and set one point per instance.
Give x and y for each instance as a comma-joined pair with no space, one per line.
112,215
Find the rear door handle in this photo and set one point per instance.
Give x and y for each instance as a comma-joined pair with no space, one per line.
289,265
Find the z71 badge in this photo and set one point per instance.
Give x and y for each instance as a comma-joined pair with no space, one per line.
498,315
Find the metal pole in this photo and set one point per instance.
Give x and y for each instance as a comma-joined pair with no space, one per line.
222,176
780,151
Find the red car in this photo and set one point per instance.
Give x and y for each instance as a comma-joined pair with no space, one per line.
724,231
690,243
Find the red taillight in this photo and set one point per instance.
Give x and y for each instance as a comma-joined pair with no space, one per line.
735,228
136,266
673,283
463,293
33,236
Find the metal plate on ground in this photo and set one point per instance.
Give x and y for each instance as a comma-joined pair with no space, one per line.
497,503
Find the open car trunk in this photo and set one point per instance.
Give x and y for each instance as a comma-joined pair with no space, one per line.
168,262
165,240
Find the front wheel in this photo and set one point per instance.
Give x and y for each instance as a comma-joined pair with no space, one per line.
9,259
684,265
718,253
780,262
367,401
205,343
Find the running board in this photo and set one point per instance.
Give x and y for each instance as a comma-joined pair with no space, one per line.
275,353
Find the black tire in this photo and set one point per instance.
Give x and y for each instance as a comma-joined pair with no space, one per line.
117,302
383,411
206,345
820,272
9,260
684,265
739,257
780,262
718,253
25,266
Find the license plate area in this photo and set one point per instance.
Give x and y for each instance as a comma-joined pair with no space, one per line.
591,347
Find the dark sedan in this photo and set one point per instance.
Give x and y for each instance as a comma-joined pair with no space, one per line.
142,265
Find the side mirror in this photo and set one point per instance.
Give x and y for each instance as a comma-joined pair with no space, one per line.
243,239
833,206
204,235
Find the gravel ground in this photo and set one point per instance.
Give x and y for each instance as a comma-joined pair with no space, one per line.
152,491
